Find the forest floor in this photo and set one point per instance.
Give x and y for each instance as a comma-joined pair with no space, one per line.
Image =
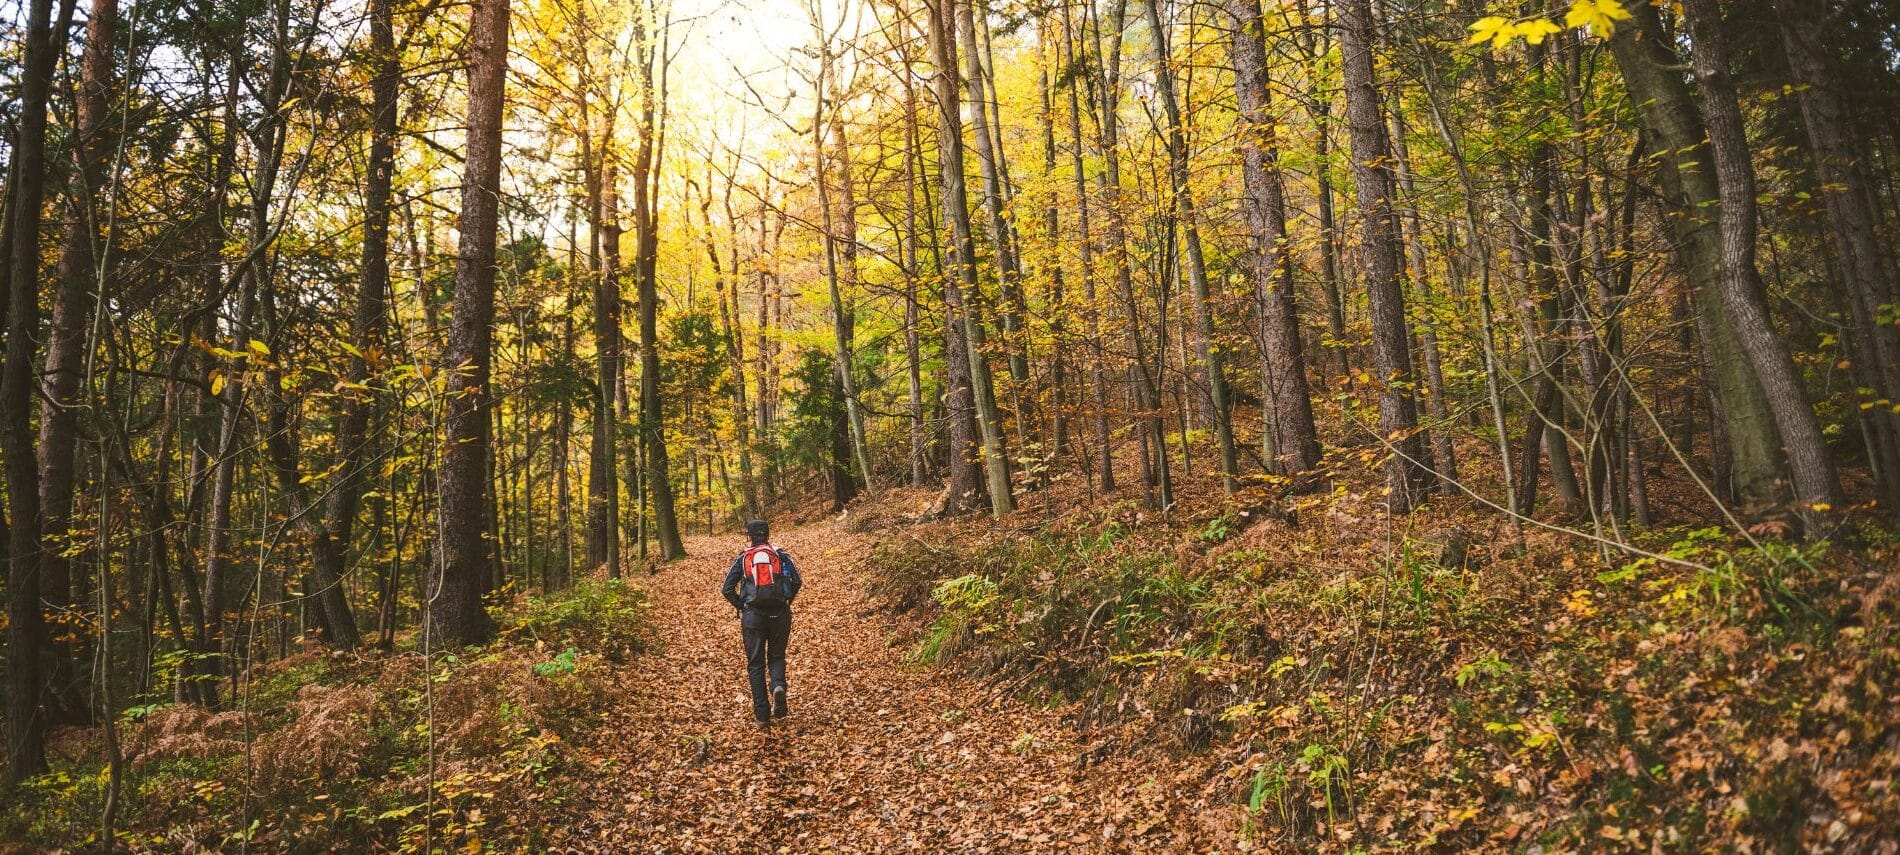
1252,672
878,754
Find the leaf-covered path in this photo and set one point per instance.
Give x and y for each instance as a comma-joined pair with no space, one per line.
876,756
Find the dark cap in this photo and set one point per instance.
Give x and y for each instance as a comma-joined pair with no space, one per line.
758,530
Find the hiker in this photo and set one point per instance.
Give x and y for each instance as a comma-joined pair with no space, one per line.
762,583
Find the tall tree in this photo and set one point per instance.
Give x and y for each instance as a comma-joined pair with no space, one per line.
1085,245
1841,161
1290,441
990,166
1651,70
839,226
598,148
462,570
1187,219
1379,252
961,286
68,337
1106,42
1816,484
646,225
26,626
364,402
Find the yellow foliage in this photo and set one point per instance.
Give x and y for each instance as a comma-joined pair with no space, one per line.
1498,31
1536,30
1600,16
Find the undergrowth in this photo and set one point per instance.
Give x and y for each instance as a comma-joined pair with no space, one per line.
1355,686
328,751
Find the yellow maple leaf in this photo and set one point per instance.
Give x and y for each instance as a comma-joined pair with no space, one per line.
1600,16
1535,31
1491,28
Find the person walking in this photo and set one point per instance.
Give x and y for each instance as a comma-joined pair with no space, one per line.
761,585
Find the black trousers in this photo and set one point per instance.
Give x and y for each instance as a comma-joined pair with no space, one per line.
765,635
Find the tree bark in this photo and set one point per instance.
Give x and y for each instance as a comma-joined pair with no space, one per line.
913,361
78,277
1840,166
26,626
1444,455
454,611
841,258
1213,362
1816,484
1380,249
1317,46
1085,244
962,252
1290,442
646,226
603,230
66,340
1156,477
324,579
1651,71
369,327
1056,310
989,160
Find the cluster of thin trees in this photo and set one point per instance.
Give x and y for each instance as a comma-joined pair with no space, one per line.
305,302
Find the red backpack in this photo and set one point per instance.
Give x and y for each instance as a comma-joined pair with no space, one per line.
764,576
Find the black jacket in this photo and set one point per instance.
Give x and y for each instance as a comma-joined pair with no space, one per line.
736,574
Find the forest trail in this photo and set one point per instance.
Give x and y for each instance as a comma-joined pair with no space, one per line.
877,755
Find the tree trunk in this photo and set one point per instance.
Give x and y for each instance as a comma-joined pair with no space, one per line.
989,160
1817,486
1840,160
726,280
765,374
913,361
1056,309
1289,440
26,626
1147,391
1317,45
1207,348
1652,72
454,596
327,565
647,234
1444,456
1380,252
370,325
1091,309
962,252
1544,430
603,233
67,338
841,260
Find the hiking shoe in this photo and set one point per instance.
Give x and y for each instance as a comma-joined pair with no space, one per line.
778,702
765,725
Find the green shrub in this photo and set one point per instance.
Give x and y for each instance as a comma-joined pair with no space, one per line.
601,616
966,604
562,664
